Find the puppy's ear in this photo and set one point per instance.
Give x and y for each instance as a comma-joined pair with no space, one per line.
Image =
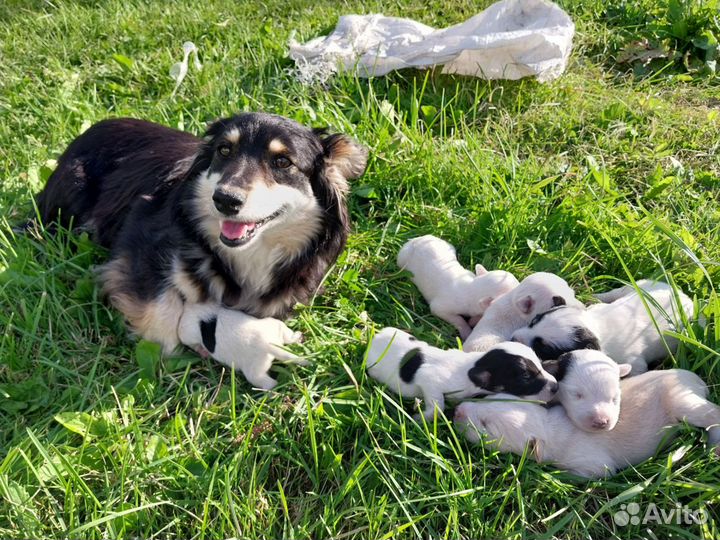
525,304
485,302
480,270
345,159
480,377
552,367
558,368
625,370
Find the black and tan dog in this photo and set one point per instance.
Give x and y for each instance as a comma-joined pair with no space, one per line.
249,217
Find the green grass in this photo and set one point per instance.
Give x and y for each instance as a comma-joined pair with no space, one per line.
608,172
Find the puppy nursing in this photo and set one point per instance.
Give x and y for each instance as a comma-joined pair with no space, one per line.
413,368
628,329
536,294
454,293
238,340
651,402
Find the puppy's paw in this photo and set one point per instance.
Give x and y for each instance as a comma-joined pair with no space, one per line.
264,382
296,337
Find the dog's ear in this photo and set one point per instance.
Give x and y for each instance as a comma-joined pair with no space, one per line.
525,304
552,367
485,302
480,377
345,159
625,370
480,270
558,368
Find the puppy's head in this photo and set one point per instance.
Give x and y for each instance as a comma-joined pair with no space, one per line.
514,369
589,388
540,292
260,175
557,331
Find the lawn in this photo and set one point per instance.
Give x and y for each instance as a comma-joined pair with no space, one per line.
610,172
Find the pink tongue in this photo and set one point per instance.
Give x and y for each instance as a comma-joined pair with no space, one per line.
232,230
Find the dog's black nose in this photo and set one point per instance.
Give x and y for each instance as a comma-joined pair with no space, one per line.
554,387
228,203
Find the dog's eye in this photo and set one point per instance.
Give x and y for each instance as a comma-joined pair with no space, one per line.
281,162
224,150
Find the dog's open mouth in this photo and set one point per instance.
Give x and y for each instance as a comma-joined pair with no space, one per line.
238,233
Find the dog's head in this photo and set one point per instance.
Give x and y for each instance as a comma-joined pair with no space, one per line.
264,176
514,369
589,388
540,292
557,331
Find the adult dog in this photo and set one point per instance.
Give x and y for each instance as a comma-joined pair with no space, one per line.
249,217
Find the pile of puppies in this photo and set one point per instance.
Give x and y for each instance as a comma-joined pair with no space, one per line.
533,341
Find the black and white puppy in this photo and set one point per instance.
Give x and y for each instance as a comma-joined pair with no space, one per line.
242,342
536,294
414,368
629,329
247,218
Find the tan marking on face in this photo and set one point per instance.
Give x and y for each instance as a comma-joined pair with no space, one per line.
277,147
233,136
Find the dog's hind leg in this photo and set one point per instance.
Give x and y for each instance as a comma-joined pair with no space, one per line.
155,319
698,411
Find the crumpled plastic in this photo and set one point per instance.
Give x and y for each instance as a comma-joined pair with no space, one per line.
509,40
179,70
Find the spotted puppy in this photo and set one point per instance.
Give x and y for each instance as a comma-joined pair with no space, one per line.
238,340
454,293
628,329
537,293
413,368
652,402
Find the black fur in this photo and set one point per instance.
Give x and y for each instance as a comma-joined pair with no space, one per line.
558,301
207,331
540,316
559,368
499,371
410,363
581,338
133,185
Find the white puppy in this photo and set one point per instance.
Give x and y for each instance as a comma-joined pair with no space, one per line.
537,293
453,293
413,368
589,388
238,340
651,402
625,329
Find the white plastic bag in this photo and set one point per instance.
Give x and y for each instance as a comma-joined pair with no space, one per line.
509,40
179,70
